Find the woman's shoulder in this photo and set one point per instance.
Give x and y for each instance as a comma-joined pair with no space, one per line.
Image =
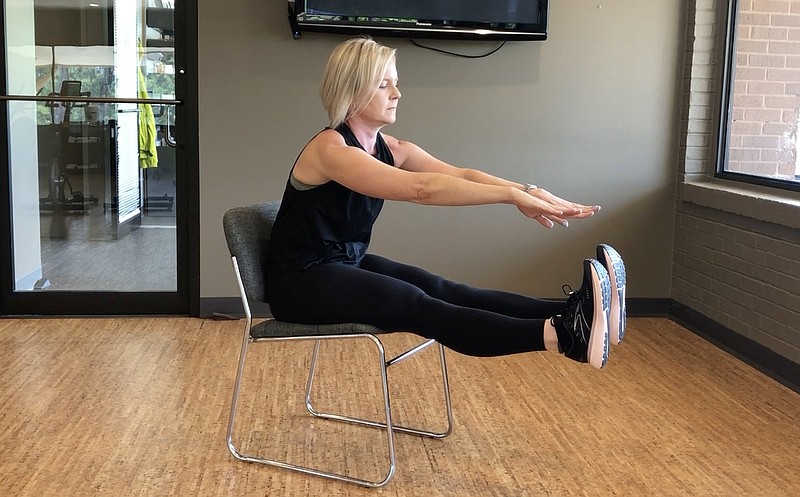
399,149
326,138
323,140
390,140
328,134
322,147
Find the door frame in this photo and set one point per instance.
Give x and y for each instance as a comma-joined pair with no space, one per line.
186,299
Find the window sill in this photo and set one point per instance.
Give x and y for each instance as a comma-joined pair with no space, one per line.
758,202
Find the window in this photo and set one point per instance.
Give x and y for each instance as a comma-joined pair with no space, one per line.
761,96
93,66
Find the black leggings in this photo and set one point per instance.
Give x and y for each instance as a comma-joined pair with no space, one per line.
399,297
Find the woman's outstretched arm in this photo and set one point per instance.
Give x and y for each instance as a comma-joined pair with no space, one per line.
420,178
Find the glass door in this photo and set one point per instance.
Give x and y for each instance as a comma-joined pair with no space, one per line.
95,161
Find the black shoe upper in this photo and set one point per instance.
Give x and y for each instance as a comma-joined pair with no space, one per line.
573,326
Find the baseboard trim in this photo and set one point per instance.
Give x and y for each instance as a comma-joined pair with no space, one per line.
647,308
229,307
751,352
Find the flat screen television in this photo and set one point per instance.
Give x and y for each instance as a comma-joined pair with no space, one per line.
448,19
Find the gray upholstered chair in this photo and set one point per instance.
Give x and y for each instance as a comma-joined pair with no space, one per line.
247,231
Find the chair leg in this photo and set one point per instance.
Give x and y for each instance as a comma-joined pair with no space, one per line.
388,425
378,424
236,388
446,388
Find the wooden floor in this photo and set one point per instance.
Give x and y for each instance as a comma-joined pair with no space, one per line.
140,407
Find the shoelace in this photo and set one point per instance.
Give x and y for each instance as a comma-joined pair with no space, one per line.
572,295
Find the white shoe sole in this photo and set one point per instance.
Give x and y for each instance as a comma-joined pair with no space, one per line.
597,353
616,273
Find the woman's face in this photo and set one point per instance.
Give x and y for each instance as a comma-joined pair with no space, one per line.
382,109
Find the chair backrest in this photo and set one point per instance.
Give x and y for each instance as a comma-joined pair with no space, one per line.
247,231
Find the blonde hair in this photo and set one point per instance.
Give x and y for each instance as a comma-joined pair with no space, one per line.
354,71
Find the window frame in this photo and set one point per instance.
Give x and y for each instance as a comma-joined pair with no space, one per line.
726,110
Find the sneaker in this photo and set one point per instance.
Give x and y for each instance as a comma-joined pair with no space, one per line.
612,261
582,328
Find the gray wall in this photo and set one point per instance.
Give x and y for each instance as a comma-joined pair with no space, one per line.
590,114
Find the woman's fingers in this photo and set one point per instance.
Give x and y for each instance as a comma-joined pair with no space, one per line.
583,214
547,223
550,210
570,209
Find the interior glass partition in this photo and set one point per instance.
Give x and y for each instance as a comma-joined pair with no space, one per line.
91,111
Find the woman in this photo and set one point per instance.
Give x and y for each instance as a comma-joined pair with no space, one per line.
319,268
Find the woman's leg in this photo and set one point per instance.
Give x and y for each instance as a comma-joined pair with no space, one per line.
336,293
509,304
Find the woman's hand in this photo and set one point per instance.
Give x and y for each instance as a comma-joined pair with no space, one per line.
548,209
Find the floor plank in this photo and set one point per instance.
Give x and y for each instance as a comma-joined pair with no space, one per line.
139,406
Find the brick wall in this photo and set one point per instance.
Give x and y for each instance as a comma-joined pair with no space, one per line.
700,85
767,88
742,273
739,271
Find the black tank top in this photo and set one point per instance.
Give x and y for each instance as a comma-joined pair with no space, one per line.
328,223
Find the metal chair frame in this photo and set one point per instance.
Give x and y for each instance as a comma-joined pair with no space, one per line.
387,424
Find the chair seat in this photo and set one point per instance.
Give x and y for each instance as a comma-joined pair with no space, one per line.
272,328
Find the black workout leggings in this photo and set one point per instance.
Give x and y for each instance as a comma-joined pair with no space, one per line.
399,297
